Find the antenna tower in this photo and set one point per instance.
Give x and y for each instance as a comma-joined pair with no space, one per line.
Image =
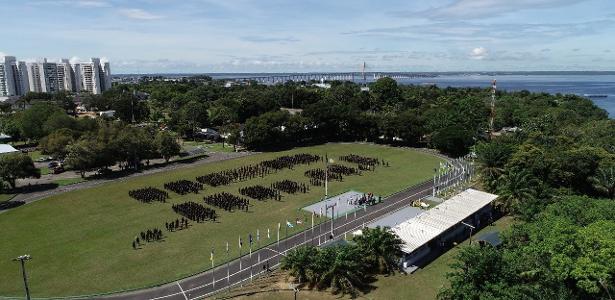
493,90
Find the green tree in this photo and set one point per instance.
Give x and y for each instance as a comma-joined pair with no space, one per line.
31,121
380,248
492,158
604,181
344,272
15,166
81,156
299,262
516,188
385,91
167,145
454,140
56,143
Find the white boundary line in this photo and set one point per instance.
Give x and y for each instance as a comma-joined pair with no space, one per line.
182,290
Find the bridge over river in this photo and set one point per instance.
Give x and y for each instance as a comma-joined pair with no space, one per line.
350,76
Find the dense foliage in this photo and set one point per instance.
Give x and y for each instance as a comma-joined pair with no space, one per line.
551,175
346,268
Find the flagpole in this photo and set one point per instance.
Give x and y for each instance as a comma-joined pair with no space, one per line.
228,269
258,241
213,273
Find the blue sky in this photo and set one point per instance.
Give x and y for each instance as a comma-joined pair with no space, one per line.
330,35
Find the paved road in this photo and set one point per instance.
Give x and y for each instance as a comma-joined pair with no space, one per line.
242,270
212,157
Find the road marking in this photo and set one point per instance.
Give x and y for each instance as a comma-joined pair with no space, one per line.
180,288
274,251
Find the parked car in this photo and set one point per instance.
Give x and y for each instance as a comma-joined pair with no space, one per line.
53,164
58,170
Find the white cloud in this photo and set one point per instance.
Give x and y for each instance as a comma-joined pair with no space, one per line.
92,3
479,53
469,9
139,14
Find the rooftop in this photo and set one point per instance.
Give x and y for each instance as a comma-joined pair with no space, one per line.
418,231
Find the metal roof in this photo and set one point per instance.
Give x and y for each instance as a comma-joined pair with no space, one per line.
6,148
417,231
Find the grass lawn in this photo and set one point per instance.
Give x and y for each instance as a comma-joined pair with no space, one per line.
45,170
424,284
81,241
213,147
6,197
35,155
68,181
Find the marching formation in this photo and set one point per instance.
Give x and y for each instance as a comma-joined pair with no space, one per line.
184,187
149,194
178,224
195,212
151,235
290,187
260,193
261,169
227,201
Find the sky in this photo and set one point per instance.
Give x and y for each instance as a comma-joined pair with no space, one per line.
210,36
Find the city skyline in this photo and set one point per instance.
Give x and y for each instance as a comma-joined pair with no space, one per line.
194,36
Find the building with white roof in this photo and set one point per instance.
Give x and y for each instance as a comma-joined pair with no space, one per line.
443,223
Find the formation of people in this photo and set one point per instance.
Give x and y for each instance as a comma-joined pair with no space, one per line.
363,160
260,193
290,187
195,212
260,169
319,176
290,161
178,224
150,235
184,187
366,199
227,201
149,194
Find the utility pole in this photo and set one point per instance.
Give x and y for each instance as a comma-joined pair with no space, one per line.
22,259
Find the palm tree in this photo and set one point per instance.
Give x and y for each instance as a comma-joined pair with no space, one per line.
345,270
381,249
515,187
604,181
299,262
491,158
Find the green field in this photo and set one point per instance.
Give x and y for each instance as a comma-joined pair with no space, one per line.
81,241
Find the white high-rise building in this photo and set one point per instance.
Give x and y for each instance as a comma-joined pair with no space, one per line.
17,79
65,76
34,77
24,78
8,68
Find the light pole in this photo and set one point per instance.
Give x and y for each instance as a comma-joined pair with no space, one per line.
471,228
22,259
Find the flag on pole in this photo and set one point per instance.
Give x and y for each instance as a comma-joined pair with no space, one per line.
226,247
268,236
258,235
250,237
212,254
313,214
240,243
321,211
